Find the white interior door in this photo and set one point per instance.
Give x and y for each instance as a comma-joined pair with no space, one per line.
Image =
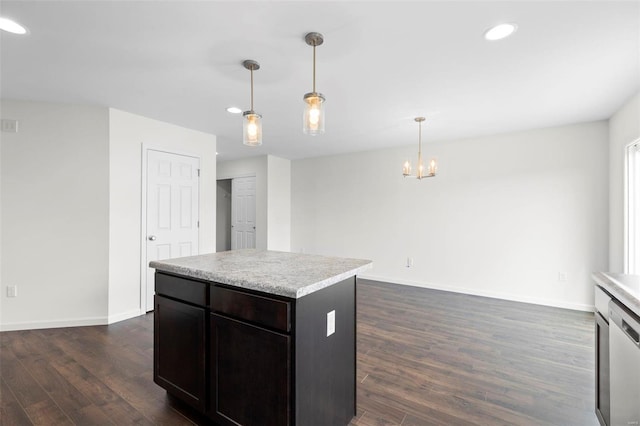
172,210
243,213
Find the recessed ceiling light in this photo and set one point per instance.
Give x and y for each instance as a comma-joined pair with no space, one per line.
10,26
234,110
500,31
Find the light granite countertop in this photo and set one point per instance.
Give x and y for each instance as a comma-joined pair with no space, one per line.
285,274
624,287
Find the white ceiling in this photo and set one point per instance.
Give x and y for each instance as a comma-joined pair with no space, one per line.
382,63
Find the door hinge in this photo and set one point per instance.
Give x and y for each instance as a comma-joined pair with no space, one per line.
198,224
198,172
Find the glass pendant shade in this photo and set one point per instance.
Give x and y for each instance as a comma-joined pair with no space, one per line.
313,120
251,128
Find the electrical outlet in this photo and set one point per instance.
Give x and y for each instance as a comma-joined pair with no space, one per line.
12,291
331,323
9,126
409,262
562,277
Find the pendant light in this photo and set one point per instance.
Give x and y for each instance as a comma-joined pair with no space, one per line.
420,173
313,118
251,121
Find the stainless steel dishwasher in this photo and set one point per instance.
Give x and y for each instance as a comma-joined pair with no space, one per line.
624,353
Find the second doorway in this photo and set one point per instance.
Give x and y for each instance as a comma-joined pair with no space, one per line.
236,213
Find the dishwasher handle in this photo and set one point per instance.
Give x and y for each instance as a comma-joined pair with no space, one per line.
628,322
629,331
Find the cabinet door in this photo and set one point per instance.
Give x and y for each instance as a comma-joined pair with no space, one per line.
179,350
602,370
250,379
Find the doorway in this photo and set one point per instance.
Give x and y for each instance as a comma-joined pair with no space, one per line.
243,213
223,215
236,213
171,212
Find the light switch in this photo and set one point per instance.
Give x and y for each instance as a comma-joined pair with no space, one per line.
331,323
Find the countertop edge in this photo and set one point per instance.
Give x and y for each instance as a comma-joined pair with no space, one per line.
616,289
311,288
249,285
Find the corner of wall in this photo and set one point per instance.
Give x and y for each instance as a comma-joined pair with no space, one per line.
129,133
278,203
55,210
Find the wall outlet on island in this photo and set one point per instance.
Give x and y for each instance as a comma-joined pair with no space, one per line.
331,323
12,291
409,262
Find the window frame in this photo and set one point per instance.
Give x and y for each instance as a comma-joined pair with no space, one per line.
632,207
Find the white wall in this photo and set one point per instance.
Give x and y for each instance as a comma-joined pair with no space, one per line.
128,132
624,128
254,166
71,211
55,206
503,218
278,203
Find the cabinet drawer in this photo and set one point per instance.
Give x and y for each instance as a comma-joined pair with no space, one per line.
260,310
182,289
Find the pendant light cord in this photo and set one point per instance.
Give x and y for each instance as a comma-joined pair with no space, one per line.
419,142
314,68
251,89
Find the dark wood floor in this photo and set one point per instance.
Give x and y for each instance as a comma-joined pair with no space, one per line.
425,357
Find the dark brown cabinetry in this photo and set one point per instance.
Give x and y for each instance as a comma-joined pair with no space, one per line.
179,350
251,384
250,358
602,370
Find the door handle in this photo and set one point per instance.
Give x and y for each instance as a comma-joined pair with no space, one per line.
152,237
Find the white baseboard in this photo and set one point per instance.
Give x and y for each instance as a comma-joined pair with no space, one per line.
125,316
476,292
34,325
76,322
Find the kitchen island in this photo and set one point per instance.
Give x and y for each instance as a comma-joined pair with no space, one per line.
251,337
